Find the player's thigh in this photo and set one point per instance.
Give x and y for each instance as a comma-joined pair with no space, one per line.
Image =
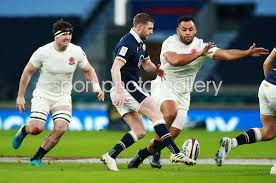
269,123
135,122
40,108
169,110
149,109
129,106
161,92
267,99
62,117
270,93
180,119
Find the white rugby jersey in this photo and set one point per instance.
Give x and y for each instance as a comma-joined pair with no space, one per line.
187,72
57,68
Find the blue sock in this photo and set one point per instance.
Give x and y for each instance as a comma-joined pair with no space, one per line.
163,132
39,154
144,153
246,137
124,143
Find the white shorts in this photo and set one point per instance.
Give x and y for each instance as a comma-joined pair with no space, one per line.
42,104
267,98
130,105
162,91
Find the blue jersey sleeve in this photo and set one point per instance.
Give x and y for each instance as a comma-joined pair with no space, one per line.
146,54
123,53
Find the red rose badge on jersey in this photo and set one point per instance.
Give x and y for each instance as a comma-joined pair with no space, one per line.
193,51
71,61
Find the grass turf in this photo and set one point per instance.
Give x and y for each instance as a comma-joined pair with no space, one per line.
58,172
94,144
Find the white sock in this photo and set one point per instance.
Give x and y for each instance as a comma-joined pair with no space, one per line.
234,143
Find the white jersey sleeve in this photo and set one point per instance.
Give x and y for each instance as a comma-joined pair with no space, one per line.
212,52
168,45
36,59
82,59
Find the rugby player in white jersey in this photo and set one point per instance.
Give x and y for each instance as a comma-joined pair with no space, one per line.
56,62
267,102
129,99
182,55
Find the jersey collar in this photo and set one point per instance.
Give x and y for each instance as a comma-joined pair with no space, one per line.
138,39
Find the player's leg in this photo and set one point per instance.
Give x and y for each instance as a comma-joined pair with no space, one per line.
129,113
135,122
148,109
268,132
165,100
273,169
61,117
174,106
155,146
39,112
175,129
169,110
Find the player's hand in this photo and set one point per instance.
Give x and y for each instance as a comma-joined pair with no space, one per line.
120,99
256,52
160,72
100,95
97,89
206,50
20,103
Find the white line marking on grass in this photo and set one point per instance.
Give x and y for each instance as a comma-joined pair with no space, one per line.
207,161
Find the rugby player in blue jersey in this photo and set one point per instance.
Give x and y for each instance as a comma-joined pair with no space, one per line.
130,100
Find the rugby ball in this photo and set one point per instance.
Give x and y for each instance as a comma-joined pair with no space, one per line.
191,148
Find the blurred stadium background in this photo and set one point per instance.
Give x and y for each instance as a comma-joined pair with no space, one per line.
99,24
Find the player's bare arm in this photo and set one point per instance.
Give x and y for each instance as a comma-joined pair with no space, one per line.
117,81
176,59
235,54
29,70
268,63
150,67
90,74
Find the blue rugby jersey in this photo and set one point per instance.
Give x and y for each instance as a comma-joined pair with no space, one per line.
132,50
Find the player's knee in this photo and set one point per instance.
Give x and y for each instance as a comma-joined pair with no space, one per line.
174,134
169,117
59,131
35,130
141,134
269,133
62,119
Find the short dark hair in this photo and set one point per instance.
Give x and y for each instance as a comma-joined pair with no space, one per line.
142,18
62,25
185,19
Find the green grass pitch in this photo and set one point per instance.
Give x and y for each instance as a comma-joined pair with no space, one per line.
94,144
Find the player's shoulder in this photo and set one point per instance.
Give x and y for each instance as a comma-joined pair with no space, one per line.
172,38
198,41
76,49
74,46
127,41
44,50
